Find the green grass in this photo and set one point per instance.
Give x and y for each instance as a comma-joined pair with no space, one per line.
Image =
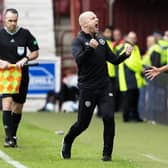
39,146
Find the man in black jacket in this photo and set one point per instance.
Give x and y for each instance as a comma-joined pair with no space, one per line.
14,43
91,54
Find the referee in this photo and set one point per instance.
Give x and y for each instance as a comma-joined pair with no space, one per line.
91,54
13,50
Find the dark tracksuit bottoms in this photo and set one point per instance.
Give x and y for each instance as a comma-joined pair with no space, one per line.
103,98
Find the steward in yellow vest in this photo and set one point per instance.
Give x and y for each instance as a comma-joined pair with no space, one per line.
130,80
153,54
164,51
130,71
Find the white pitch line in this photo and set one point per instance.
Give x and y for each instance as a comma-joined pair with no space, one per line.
152,157
10,161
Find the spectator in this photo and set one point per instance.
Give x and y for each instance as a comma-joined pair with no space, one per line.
153,53
130,80
163,43
117,45
68,92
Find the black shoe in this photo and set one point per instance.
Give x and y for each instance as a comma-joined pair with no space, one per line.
139,120
41,110
126,120
106,158
66,150
10,143
14,139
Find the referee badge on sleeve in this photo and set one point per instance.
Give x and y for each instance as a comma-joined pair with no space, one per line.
20,50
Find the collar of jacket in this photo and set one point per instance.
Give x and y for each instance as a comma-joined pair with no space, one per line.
88,35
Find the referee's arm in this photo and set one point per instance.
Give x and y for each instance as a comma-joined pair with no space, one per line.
33,55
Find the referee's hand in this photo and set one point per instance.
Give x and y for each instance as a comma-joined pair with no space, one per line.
21,62
4,64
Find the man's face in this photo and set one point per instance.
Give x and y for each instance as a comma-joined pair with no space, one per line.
150,41
117,35
107,33
166,35
10,21
92,23
132,38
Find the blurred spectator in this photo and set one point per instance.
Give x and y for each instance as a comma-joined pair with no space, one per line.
165,37
163,43
68,92
153,53
130,80
157,35
164,48
118,40
117,45
108,33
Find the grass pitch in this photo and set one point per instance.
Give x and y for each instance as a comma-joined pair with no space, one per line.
137,145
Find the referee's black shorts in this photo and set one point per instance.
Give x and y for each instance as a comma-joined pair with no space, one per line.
21,96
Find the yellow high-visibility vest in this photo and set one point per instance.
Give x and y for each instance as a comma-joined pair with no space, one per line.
147,57
164,51
134,65
110,66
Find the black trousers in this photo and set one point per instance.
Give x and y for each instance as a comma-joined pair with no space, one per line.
112,85
103,98
130,105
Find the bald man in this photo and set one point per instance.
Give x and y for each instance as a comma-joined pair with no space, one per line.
91,53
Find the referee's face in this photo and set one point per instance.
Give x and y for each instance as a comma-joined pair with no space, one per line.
10,21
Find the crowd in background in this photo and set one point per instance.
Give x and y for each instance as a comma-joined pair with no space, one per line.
126,78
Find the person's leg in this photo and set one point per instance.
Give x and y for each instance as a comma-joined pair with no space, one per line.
109,133
86,108
62,95
134,104
18,102
114,90
7,119
118,97
106,105
126,106
16,117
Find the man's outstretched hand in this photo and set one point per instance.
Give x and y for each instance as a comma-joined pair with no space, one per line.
152,72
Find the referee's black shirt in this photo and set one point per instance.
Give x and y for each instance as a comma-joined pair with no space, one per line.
13,47
92,68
